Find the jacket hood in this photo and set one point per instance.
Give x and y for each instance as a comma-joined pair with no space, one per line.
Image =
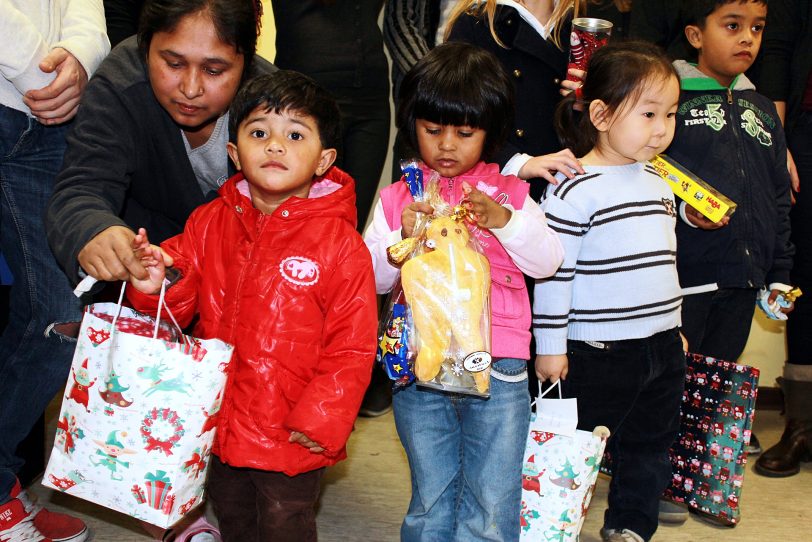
331,195
692,79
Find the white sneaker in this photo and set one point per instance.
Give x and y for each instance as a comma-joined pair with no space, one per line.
620,535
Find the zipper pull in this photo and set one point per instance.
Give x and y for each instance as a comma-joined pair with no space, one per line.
729,96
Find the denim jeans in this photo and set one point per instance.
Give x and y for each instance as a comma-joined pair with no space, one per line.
33,366
465,456
633,387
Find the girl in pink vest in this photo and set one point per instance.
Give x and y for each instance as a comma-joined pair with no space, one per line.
464,452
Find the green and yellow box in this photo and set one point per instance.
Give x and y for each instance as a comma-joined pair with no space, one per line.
694,191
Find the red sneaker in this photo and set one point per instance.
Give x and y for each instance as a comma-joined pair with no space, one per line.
23,520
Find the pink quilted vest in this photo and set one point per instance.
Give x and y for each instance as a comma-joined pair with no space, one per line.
510,305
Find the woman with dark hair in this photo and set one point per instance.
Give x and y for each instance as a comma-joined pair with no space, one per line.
149,142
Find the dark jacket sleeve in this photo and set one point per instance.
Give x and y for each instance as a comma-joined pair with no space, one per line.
90,190
778,48
784,249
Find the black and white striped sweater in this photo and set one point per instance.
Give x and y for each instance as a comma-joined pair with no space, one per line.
619,277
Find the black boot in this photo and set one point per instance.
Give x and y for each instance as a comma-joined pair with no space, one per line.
784,459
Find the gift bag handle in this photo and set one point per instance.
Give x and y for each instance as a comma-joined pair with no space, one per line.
161,306
556,384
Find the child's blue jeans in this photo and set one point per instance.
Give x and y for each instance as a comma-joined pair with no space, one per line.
465,455
633,387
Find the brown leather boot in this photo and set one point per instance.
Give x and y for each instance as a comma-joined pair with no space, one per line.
784,459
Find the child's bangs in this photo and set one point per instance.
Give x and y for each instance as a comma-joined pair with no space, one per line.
457,107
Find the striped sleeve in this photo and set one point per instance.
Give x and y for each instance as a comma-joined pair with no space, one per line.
553,296
403,32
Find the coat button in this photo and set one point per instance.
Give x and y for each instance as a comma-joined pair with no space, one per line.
285,213
238,209
508,279
517,73
556,81
519,133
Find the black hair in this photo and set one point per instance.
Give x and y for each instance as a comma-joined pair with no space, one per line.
617,72
237,22
695,12
286,90
457,84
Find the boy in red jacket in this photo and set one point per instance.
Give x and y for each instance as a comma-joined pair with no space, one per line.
275,267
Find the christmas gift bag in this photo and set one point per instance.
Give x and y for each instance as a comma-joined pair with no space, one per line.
708,458
559,472
137,419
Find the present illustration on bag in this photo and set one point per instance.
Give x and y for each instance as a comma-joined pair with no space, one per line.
158,490
109,451
67,433
80,389
197,463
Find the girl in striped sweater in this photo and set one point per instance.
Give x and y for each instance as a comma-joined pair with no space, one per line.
607,323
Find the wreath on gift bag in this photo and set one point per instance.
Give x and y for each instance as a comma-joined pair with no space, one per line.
159,416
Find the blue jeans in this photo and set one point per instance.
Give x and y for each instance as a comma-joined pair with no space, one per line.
633,387
465,456
33,366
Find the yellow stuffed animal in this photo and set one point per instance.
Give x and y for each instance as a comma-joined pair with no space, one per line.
446,289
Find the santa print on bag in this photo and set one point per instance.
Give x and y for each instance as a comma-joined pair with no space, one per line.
80,388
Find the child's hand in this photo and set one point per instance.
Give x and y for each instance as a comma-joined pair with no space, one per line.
408,218
696,218
684,342
154,261
546,165
484,212
300,438
552,367
773,295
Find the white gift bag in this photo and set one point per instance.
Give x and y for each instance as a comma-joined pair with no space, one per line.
559,471
137,420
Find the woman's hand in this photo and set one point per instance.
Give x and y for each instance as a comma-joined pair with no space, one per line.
408,218
567,85
484,212
546,165
553,367
109,256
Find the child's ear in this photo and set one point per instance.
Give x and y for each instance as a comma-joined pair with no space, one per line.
694,35
328,156
233,154
599,115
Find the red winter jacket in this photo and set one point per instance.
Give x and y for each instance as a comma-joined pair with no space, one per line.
294,292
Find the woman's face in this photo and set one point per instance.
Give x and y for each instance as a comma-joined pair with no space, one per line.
194,75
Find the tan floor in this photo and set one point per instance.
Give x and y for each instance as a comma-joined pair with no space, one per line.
365,497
